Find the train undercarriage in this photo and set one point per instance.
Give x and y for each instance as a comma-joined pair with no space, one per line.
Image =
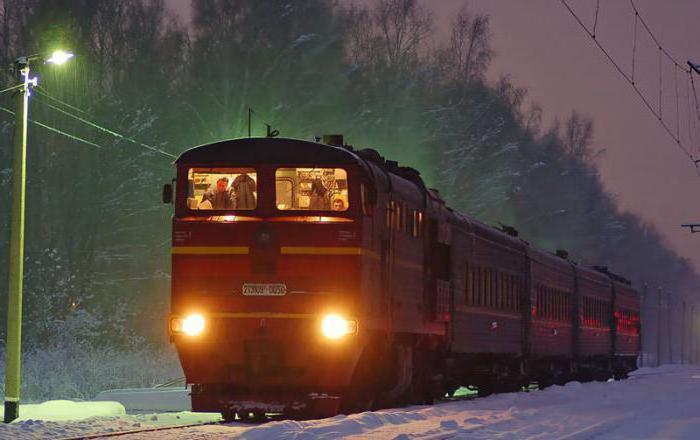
406,371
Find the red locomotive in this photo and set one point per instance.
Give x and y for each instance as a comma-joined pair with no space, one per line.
310,279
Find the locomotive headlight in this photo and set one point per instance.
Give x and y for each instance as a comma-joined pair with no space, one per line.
191,325
335,326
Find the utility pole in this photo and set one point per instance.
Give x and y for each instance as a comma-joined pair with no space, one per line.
691,339
642,339
669,306
16,266
14,294
683,330
658,327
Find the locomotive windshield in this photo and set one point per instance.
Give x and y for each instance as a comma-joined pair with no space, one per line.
222,189
311,189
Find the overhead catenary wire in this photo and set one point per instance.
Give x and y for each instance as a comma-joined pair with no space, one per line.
102,128
674,133
56,130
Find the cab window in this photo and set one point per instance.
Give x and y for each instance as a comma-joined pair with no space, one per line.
222,189
311,189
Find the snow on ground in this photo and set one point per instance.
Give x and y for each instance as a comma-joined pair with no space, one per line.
658,403
63,410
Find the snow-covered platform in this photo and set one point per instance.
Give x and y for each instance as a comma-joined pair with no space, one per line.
661,403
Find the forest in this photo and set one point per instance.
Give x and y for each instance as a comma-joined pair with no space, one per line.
97,264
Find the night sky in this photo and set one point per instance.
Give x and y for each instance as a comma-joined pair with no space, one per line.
540,47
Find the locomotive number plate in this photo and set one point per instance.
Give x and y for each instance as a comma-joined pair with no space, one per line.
253,289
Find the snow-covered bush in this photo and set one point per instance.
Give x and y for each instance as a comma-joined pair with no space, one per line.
70,370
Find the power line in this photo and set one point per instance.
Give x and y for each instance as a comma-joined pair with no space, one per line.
55,130
630,79
100,127
40,90
9,89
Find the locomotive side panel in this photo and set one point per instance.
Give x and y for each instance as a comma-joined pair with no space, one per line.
404,257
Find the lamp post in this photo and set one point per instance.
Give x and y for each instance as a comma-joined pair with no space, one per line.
16,273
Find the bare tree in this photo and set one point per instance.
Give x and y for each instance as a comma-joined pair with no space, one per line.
469,47
577,138
363,42
403,25
533,119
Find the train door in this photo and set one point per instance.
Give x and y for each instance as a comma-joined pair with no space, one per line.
437,270
387,260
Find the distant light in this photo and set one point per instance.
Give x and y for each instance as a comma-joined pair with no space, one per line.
59,57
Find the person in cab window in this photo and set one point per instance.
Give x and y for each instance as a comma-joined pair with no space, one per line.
318,200
219,197
338,205
243,192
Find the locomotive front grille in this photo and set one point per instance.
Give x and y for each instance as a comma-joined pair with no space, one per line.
263,358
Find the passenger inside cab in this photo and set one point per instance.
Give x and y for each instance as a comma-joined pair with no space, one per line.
311,189
209,189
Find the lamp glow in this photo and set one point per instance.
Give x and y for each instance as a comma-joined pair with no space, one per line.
191,325
335,326
60,57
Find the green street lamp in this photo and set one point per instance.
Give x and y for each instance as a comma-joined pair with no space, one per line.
14,297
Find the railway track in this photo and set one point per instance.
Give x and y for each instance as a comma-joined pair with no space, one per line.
248,423
108,434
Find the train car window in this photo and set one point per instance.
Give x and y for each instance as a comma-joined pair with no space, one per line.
502,291
499,290
587,311
311,189
487,287
392,215
482,287
410,218
414,223
560,305
477,286
467,278
367,203
222,189
397,216
387,216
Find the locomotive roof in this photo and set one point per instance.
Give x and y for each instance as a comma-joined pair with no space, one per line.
266,150
261,150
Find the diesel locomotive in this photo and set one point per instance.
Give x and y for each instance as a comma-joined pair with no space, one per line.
310,279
